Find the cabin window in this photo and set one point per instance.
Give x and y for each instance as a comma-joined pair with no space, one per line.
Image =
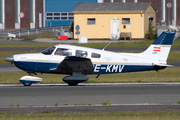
125,20
91,21
48,51
95,55
81,53
63,52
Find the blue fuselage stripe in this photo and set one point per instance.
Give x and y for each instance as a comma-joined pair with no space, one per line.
115,68
44,67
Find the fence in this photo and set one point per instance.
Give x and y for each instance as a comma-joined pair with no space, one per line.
163,24
37,31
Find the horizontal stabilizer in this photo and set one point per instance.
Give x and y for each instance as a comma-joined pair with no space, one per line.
160,65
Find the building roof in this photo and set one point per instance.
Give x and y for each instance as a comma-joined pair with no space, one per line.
111,7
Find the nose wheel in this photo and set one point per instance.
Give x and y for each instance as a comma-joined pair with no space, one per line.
28,80
27,84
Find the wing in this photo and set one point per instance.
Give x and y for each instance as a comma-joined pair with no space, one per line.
72,64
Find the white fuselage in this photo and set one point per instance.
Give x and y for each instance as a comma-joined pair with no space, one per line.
103,61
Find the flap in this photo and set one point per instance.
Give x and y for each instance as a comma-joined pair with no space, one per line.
72,64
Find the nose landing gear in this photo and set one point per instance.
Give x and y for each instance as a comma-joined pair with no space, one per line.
28,80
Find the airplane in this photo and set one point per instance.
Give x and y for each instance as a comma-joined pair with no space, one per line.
79,62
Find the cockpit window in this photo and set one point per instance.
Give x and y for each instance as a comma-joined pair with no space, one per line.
81,53
95,55
63,52
48,51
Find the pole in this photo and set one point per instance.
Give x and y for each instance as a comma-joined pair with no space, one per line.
169,16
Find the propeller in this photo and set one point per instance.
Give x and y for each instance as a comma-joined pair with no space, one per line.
10,59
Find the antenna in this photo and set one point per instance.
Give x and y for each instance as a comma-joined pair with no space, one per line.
106,45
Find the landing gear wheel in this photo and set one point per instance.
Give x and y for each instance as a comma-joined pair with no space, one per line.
27,84
72,84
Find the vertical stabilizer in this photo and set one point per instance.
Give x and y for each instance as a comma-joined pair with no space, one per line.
159,49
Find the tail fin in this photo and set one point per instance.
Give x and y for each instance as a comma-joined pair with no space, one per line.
159,49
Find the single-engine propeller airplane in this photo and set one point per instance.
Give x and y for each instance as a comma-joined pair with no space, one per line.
78,62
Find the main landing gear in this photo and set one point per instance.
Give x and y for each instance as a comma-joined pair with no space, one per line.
75,79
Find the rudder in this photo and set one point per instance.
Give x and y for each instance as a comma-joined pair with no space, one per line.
160,48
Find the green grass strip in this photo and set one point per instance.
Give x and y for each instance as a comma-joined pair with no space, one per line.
158,115
135,43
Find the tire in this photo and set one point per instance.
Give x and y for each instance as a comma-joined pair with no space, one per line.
72,84
27,84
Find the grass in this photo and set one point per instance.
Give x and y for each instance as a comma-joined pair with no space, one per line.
47,115
107,102
166,75
40,35
135,43
26,45
5,54
56,104
174,56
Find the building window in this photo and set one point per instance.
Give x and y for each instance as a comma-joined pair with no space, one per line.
64,14
49,18
56,18
125,20
17,11
1,11
91,21
71,14
32,11
60,16
49,14
63,18
71,18
56,14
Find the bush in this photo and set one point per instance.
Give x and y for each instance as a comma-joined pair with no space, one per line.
152,32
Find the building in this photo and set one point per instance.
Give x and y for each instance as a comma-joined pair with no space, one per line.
31,11
163,13
46,13
105,20
37,13
59,12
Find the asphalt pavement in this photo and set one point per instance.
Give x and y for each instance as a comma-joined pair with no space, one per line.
122,94
39,98
130,97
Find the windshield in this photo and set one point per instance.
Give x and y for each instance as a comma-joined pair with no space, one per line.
48,51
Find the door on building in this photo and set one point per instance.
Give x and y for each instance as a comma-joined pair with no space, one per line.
40,20
114,29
